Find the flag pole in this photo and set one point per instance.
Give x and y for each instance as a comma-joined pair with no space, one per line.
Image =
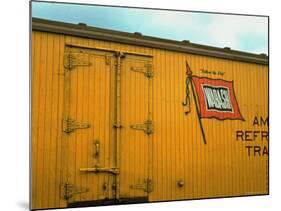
189,75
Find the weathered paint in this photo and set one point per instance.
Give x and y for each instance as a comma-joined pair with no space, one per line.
174,152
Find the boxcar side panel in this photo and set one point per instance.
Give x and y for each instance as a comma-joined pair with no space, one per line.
46,111
232,163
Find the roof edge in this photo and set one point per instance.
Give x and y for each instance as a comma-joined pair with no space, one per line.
82,30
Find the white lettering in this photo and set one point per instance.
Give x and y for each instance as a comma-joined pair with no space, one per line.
217,98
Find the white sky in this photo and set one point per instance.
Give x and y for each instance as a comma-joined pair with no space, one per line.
245,33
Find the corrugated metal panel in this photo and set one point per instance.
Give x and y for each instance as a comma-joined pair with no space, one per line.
220,168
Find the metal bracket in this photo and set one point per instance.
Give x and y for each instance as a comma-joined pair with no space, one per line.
68,190
146,70
118,125
101,170
72,60
147,186
69,125
107,59
147,126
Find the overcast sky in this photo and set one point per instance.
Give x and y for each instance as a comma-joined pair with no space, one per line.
245,33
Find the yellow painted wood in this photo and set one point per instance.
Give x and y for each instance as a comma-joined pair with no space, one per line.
174,152
46,108
134,146
89,97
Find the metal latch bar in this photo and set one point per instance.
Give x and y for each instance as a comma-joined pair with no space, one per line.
101,170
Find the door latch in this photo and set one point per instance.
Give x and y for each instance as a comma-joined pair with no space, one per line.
97,145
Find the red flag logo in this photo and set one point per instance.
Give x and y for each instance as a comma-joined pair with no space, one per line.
216,98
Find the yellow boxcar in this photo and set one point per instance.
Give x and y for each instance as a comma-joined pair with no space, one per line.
115,119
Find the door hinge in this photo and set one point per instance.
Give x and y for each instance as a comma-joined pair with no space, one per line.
69,125
72,60
107,59
147,186
101,170
146,70
68,190
147,126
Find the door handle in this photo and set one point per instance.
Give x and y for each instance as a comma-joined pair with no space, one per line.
97,146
